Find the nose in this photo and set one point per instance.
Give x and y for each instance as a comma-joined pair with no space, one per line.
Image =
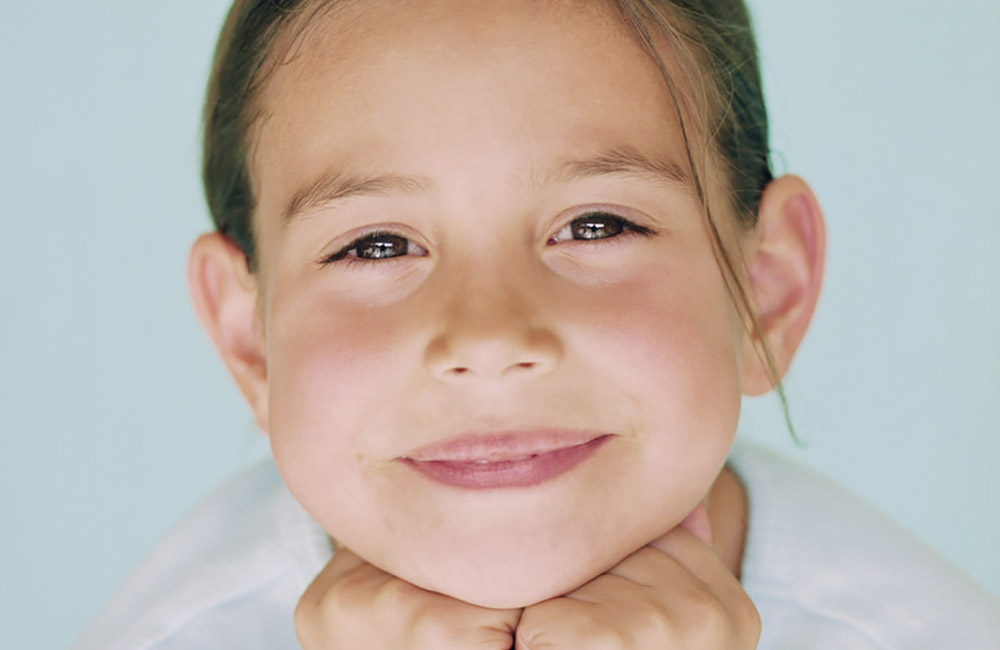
490,331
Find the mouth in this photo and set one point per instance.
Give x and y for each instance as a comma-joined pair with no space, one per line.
506,460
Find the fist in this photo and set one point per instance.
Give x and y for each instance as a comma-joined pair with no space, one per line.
352,605
674,593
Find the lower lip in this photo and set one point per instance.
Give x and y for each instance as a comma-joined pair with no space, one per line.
517,473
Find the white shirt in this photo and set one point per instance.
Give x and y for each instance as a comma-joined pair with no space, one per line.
825,571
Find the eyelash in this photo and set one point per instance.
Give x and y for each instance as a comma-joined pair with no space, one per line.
344,256
624,227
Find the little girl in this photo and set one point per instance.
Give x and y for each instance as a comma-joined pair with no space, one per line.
493,277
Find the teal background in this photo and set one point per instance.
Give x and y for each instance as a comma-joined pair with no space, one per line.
117,417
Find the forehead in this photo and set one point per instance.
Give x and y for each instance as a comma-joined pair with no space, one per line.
382,84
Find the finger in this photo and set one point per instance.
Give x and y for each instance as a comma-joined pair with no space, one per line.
343,563
694,554
354,604
698,560
682,591
673,610
346,579
682,563
565,623
439,622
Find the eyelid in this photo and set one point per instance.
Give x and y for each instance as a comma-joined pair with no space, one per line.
631,224
391,230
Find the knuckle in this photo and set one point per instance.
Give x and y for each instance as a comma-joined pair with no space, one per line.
717,621
425,619
435,625
303,622
327,605
342,595
315,618
708,620
563,623
426,634
392,595
748,617
600,639
433,628
304,609
706,606
308,611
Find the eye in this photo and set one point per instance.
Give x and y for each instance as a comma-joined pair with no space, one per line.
596,225
376,246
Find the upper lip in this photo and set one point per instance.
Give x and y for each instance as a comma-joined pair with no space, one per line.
500,446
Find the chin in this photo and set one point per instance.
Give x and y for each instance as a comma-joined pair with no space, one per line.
501,582
507,594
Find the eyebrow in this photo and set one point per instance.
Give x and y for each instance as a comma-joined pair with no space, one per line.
619,160
332,187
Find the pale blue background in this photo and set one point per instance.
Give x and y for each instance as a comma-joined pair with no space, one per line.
117,416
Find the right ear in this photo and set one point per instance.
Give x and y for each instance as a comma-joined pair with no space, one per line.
224,293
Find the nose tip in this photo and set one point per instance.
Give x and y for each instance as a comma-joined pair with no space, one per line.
491,322
492,355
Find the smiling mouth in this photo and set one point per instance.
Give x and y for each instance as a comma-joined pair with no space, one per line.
505,460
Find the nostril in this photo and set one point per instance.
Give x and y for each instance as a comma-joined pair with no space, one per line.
464,370
465,355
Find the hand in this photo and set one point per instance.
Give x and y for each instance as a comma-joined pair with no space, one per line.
351,605
674,593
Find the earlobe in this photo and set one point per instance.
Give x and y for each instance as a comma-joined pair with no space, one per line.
224,294
785,275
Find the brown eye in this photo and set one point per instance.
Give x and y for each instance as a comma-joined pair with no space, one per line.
596,226
379,247
376,246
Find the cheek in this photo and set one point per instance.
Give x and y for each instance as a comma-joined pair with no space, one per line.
670,355
322,364
323,360
667,340
663,320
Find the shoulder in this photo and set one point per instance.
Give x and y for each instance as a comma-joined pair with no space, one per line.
233,568
827,570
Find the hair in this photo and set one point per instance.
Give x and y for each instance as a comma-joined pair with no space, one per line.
724,110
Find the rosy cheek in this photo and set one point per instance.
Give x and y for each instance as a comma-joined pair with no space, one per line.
665,340
322,364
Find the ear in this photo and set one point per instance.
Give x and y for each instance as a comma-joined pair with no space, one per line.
785,274
224,293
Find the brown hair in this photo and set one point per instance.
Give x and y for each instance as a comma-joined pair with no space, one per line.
717,36
713,36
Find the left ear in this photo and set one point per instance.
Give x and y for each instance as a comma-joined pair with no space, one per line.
224,292
785,274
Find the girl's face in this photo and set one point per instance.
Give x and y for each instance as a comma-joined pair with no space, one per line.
500,353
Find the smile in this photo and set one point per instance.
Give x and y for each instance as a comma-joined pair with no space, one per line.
515,460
